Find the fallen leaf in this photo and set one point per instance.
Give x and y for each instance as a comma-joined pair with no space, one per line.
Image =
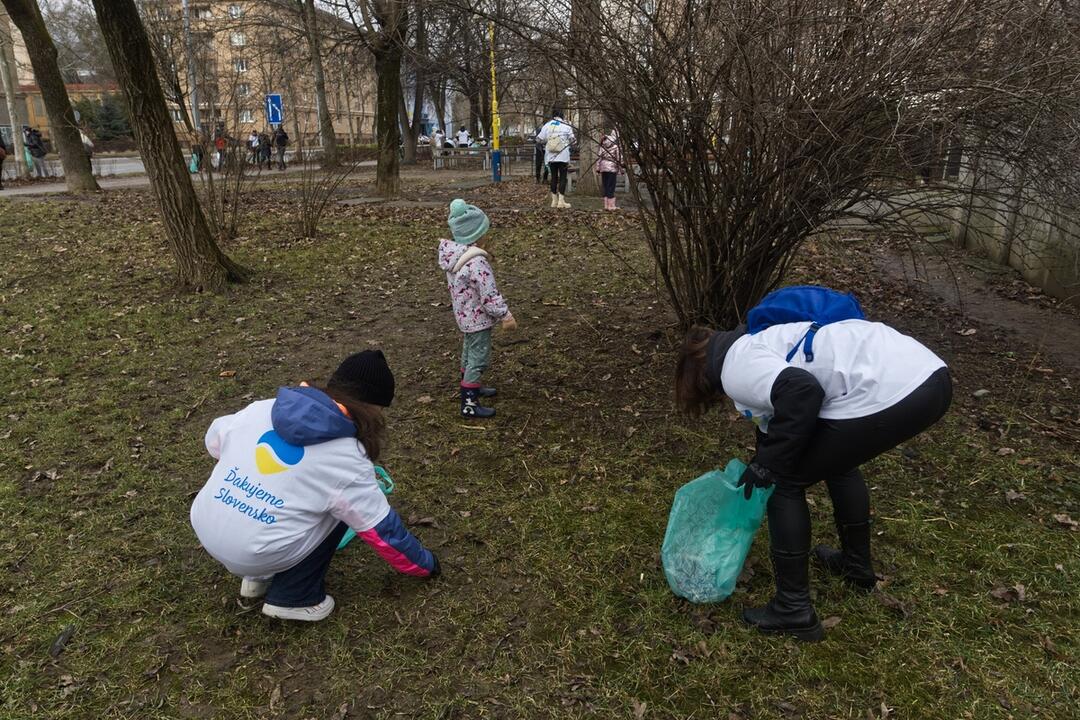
940,591
1065,521
1015,593
423,521
424,399
639,709
893,604
1012,495
275,696
61,641
227,373
830,622
981,393
1005,451
966,333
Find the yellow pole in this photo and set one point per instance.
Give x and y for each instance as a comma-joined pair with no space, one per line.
496,155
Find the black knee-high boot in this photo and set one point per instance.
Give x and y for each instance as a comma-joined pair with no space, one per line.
852,561
790,611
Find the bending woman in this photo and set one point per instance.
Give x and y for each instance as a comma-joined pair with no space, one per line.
867,389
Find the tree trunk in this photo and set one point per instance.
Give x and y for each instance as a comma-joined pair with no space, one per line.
65,133
200,263
438,99
326,123
387,130
409,148
7,77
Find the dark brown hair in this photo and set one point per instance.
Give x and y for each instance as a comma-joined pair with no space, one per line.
368,419
694,394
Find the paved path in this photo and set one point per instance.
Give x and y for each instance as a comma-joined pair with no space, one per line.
132,181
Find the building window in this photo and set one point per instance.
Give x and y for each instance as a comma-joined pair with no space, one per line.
243,89
238,39
175,114
202,13
235,11
241,65
246,116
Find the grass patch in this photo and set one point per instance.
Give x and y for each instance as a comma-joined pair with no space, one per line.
548,521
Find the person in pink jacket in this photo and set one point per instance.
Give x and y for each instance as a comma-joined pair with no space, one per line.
609,165
478,306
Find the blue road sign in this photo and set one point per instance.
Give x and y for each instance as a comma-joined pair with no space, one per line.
275,113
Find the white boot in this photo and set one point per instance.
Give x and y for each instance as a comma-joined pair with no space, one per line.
554,200
562,202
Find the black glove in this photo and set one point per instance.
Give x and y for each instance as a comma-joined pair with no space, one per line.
754,476
436,571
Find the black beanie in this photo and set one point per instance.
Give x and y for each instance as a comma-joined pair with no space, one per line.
366,377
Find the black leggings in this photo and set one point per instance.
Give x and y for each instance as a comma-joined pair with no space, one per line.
558,177
835,453
608,179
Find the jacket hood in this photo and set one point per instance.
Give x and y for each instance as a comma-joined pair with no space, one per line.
308,416
719,345
449,253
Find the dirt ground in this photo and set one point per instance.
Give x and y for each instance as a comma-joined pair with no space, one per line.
548,521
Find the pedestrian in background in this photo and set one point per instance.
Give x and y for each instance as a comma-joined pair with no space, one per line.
610,166
281,141
557,136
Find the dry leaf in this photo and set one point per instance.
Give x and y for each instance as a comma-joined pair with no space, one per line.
639,709
966,333
1009,594
1012,495
1065,521
227,373
830,622
1005,451
893,604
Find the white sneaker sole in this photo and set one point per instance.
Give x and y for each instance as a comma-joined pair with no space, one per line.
306,614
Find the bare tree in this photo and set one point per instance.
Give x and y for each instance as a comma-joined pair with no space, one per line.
326,123
43,57
200,262
381,27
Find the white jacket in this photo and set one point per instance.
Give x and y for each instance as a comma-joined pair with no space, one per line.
863,367
564,134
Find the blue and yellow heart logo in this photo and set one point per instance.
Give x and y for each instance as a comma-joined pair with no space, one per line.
274,455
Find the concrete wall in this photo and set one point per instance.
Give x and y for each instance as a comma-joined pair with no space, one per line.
1002,219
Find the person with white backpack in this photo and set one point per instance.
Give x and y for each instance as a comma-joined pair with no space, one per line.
828,391
557,137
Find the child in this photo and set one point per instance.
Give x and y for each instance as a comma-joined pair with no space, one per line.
609,165
293,474
476,300
866,389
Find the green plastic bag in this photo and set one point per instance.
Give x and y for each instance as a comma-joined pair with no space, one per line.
709,533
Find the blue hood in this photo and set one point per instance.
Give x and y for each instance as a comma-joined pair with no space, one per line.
307,416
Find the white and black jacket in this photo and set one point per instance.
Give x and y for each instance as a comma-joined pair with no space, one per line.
860,368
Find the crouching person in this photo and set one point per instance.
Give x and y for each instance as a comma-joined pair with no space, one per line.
866,389
293,474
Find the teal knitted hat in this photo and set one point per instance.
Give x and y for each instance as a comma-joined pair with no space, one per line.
467,222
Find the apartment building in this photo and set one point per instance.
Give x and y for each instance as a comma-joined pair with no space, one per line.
220,59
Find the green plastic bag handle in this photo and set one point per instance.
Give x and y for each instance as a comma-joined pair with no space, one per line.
386,484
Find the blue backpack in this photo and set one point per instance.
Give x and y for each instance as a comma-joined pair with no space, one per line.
800,303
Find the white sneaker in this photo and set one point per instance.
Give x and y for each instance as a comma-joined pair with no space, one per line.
554,200
563,203
309,614
253,587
